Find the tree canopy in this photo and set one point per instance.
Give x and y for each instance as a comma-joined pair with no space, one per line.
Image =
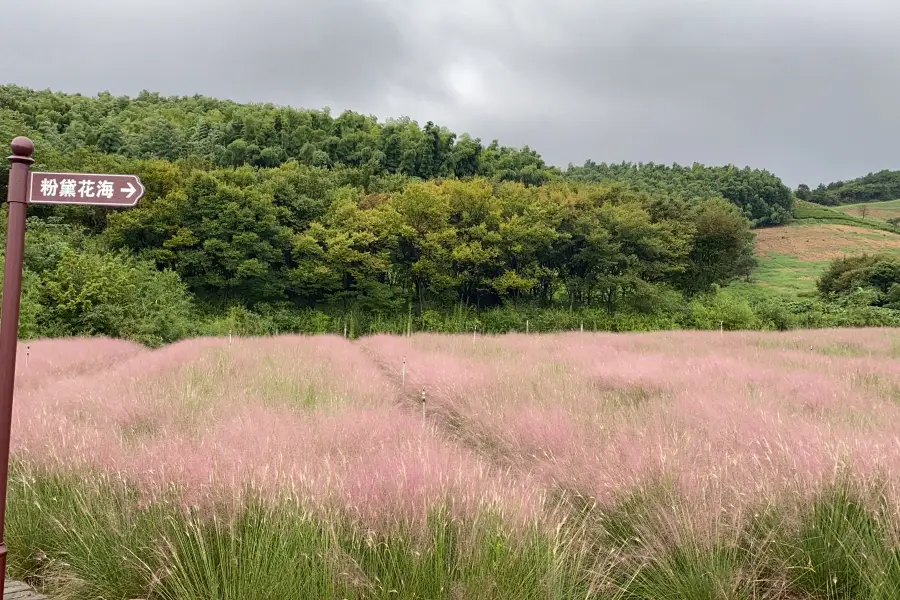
867,279
275,208
221,133
874,187
760,195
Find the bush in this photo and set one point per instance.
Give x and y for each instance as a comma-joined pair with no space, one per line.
862,280
237,320
775,315
287,318
721,308
113,295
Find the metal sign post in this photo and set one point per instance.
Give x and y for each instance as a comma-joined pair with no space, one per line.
26,188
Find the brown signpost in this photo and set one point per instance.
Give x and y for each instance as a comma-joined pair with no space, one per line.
26,188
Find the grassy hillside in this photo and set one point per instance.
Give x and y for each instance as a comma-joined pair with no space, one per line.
791,258
876,211
807,212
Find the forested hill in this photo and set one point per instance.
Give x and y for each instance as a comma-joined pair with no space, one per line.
303,218
761,196
874,187
221,133
210,133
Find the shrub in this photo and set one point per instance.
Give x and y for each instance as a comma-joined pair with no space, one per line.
721,308
113,295
845,276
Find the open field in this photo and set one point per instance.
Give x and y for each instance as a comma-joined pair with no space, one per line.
881,211
792,258
689,465
809,213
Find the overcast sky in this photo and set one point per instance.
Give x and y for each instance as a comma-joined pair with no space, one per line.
809,89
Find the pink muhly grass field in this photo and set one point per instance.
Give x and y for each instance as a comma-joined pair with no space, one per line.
309,419
732,419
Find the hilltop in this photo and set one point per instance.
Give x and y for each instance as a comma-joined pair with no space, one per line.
887,211
874,187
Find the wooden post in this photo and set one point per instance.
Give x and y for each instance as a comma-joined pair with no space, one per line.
26,187
423,410
17,196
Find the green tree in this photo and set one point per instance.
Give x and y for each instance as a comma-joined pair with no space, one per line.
722,247
846,276
113,295
346,259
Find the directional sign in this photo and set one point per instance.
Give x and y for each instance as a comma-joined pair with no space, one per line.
26,187
84,188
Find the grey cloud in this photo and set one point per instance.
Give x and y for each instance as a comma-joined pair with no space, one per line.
806,89
260,50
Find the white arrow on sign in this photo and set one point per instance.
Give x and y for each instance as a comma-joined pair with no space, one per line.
130,190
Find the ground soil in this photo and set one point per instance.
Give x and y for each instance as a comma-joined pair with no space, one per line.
824,242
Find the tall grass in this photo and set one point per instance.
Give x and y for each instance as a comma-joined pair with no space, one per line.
75,539
78,540
774,305
660,465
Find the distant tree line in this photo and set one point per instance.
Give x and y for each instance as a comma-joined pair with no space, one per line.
874,187
292,234
210,133
760,196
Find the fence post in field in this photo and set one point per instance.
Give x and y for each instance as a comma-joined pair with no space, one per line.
527,326
423,410
229,337
582,326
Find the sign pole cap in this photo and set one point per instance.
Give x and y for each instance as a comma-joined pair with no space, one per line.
22,146
22,149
